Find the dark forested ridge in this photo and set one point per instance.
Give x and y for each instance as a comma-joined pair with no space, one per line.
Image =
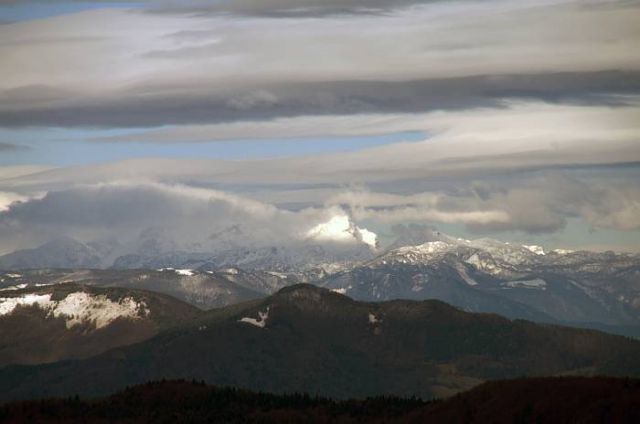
308,339
95,319
564,399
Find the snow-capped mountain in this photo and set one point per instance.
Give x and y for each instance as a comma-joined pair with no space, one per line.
519,281
484,275
59,253
324,248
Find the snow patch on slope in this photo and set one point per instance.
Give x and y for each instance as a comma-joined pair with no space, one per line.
16,287
466,277
538,250
79,307
562,251
8,304
537,283
260,322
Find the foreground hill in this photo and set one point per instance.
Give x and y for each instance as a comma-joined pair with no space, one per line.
308,339
575,399
70,321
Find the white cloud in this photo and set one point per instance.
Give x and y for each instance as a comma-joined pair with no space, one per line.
6,199
176,217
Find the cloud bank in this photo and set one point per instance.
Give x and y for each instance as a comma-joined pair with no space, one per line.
128,68
528,113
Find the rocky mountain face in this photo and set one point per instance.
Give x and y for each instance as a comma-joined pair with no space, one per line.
590,289
60,253
310,260
70,321
582,288
305,338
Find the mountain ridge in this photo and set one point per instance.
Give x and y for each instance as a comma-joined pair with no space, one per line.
306,338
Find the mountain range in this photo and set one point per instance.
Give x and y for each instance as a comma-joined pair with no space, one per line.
580,288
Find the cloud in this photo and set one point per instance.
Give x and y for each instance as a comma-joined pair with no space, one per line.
178,216
290,8
181,217
461,145
542,204
10,147
7,199
525,128
127,68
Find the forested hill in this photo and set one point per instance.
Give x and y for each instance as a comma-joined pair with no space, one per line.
561,399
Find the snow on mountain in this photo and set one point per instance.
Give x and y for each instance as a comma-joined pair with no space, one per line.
260,322
487,275
562,251
342,229
78,308
538,250
60,253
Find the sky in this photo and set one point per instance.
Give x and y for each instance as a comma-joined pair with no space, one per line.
517,120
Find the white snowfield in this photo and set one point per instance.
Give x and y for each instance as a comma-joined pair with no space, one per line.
79,308
16,287
537,283
260,322
538,250
562,251
277,274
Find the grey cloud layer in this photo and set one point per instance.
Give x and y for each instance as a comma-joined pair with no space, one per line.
186,217
517,101
136,108
461,144
125,68
9,147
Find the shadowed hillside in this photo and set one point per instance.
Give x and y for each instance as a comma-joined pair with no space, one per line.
569,399
308,339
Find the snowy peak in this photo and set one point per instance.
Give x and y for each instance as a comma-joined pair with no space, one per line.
488,255
422,253
341,229
415,235
59,253
538,250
